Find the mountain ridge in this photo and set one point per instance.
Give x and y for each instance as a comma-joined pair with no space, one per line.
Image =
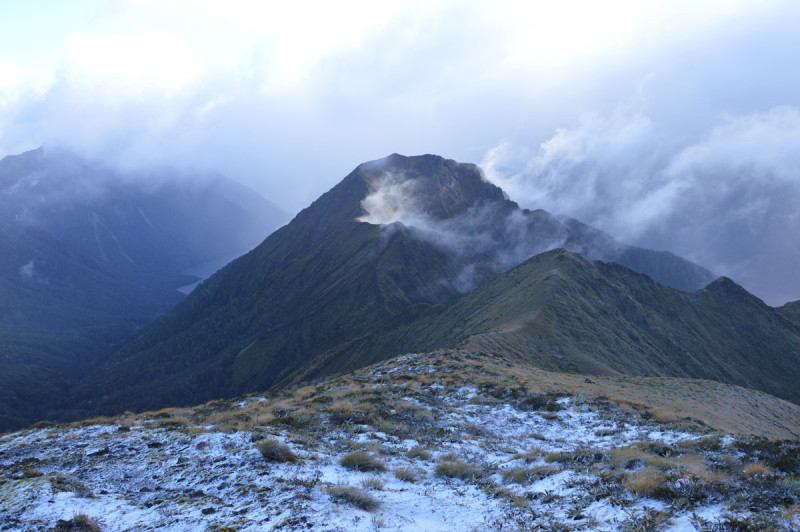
566,313
330,283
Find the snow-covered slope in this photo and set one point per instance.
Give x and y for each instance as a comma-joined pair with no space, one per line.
438,441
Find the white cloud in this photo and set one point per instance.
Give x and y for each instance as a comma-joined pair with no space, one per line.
148,61
290,96
727,200
10,73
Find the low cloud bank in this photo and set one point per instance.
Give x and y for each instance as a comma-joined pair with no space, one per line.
727,200
487,238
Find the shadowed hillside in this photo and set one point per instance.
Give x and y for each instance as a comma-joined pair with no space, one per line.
562,312
320,288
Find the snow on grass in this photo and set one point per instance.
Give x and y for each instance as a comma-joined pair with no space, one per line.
515,461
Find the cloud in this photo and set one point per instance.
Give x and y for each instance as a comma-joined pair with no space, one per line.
486,239
10,74
288,98
26,271
727,201
151,61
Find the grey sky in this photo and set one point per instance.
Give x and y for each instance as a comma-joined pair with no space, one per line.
669,124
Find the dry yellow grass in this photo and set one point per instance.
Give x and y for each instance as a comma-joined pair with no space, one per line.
757,470
721,406
645,482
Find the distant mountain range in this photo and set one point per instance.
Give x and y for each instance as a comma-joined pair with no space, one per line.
161,221
88,255
405,254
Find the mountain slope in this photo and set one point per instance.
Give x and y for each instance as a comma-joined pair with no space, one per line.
88,255
330,282
241,331
155,221
48,284
562,312
791,311
437,441
61,310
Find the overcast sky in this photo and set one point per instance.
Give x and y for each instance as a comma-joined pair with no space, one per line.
670,124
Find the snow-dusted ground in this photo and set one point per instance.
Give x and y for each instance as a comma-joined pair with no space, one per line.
152,472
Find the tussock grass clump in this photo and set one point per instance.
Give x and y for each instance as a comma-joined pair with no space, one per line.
420,453
453,467
581,457
30,472
64,483
406,474
414,415
275,451
42,425
542,403
649,482
361,461
372,482
756,471
174,423
709,443
79,523
476,430
393,429
355,496
345,414
297,419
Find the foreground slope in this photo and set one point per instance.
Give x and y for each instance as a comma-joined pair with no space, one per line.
438,441
561,311
396,240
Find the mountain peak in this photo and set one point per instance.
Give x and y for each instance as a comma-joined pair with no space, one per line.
726,288
423,185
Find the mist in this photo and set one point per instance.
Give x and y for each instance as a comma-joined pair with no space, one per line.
668,124
727,201
487,238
